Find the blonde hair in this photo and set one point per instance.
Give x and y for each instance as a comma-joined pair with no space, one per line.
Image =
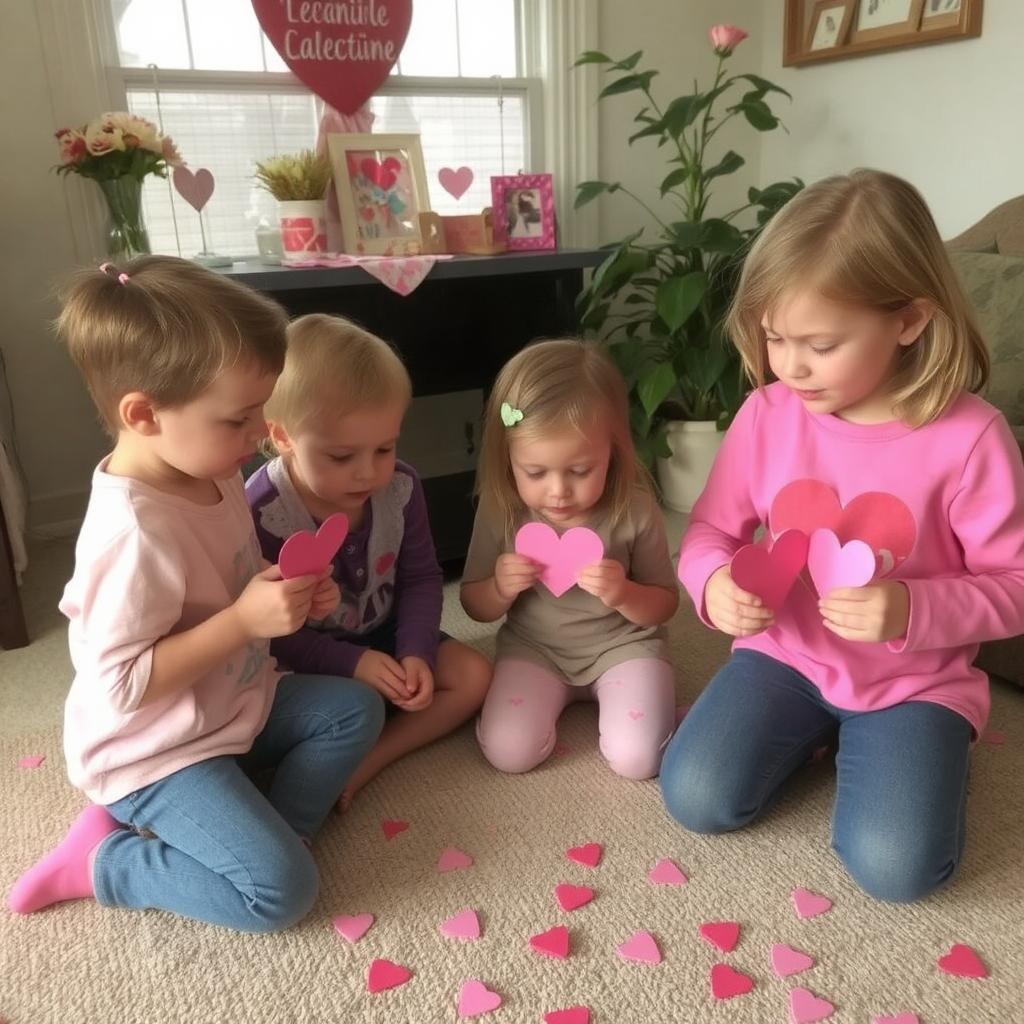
333,365
557,385
866,239
166,327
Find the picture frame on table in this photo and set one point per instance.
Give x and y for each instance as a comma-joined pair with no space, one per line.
829,25
884,19
524,211
381,185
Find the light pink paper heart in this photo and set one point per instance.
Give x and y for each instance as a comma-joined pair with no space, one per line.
809,904
353,928
723,934
806,1008
31,761
476,998
640,948
963,962
306,554
455,183
562,557
572,897
452,859
833,565
464,925
384,974
393,828
667,872
194,187
589,854
770,573
900,1018
787,961
572,1015
726,982
554,942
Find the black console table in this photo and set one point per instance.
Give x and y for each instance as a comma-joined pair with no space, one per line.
454,333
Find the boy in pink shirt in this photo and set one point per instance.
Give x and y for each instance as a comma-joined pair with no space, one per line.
176,703
869,437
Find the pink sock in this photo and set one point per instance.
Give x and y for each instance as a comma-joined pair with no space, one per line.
66,872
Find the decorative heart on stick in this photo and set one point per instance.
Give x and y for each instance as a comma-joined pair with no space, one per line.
455,183
195,188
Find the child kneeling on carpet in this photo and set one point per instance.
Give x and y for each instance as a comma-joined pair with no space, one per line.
903,493
558,455
335,417
175,702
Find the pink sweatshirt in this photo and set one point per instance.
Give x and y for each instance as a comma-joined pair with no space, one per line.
949,524
149,564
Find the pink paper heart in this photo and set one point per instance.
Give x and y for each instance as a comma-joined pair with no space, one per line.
809,904
573,1015
393,828
452,859
554,942
589,854
383,974
900,1018
32,761
455,183
787,961
476,998
562,557
770,573
833,565
304,554
464,925
572,897
963,962
353,928
666,872
641,948
723,934
194,187
806,1008
726,982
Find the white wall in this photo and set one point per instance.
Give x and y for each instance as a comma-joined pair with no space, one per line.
948,117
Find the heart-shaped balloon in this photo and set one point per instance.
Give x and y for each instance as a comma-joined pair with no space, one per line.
455,183
195,188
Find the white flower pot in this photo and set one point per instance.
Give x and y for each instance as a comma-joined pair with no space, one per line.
303,229
683,476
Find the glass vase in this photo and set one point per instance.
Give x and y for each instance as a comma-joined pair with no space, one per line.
127,236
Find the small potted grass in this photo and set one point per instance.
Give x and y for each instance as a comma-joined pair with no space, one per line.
298,181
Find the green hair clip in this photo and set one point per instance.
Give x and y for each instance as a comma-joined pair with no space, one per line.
510,416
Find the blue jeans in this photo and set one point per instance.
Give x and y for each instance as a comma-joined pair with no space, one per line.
224,853
901,773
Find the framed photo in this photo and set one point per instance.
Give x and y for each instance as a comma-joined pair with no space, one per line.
524,211
381,185
941,14
830,24
881,19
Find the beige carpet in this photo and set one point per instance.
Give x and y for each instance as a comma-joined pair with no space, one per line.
82,963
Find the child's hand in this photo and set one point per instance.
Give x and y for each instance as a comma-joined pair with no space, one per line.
420,681
873,614
271,606
732,610
606,580
384,674
325,597
514,573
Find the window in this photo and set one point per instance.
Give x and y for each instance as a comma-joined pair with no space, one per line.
227,99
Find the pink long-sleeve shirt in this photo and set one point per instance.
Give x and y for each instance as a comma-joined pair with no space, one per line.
960,553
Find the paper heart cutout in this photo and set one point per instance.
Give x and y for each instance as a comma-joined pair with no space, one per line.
963,962
787,961
306,554
194,187
573,1015
455,183
806,1008
572,897
356,64
833,565
900,1018
393,828
383,974
476,998
353,928
31,761
554,942
383,174
769,573
726,982
464,925
452,859
640,948
589,854
809,904
667,872
723,934
879,519
562,557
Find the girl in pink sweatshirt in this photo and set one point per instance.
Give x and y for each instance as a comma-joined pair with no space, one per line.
899,494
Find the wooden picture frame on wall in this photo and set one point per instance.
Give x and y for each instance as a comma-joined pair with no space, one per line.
942,14
829,25
886,19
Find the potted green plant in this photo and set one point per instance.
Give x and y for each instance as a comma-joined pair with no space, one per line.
298,181
660,305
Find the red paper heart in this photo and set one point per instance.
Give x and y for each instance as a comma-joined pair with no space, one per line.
343,64
304,554
383,974
572,1015
589,854
726,982
195,188
384,174
572,897
554,942
770,573
393,828
723,934
963,962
